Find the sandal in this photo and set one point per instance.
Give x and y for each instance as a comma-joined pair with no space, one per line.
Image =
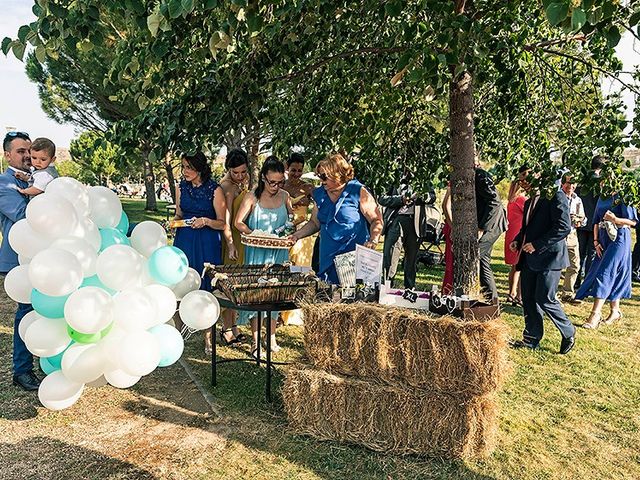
611,318
208,351
228,343
592,322
241,337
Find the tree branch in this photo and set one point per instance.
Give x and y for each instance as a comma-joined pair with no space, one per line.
556,41
347,54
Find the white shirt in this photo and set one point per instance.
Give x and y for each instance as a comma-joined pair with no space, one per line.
576,210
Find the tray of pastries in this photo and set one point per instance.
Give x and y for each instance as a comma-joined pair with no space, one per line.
262,239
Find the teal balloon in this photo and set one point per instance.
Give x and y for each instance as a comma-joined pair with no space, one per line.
88,337
112,236
123,224
94,281
56,360
171,344
168,265
48,306
47,367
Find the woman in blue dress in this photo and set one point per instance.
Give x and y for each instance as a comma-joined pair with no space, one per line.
345,213
201,200
266,209
609,277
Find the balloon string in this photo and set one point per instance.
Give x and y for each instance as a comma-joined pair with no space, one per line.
187,331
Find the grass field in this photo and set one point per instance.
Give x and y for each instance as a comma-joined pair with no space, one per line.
562,417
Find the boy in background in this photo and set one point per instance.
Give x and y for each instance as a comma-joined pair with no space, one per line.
43,154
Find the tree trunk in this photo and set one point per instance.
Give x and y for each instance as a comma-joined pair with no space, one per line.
170,176
463,195
149,181
253,151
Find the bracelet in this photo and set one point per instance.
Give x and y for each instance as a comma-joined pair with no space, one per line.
596,243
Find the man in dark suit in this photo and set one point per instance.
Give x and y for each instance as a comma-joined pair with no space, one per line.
492,222
12,208
543,256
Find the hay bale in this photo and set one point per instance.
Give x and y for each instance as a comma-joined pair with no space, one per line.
389,418
404,346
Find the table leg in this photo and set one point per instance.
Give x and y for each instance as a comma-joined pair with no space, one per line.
259,333
268,385
214,380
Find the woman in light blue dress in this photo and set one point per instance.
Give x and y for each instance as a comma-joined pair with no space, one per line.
265,209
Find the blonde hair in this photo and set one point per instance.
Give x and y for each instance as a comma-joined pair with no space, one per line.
336,167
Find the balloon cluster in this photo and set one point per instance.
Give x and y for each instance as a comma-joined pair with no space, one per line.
103,302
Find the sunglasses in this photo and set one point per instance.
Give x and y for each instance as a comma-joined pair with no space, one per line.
274,183
22,135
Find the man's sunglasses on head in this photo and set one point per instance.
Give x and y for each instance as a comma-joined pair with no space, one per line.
22,135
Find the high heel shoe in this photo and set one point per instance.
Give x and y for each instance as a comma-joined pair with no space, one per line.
593,321
612,317
228,343
241,337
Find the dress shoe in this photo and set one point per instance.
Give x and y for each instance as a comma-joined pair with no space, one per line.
567,344
28,381
524,344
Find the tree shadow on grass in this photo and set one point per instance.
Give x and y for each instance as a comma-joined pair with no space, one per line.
46,458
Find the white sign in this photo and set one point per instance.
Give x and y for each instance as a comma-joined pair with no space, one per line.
368,265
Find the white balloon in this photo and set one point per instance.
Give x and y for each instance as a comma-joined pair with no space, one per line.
26,322
57,392
25,241
134,309
110,345
199,310
119,267
145,277
89,310
147,237
105,207
139,353
188,284
55,272
120,379
83,363
82,250
72,190
22,260
17,284
47,337
88,231
165,302
52,215
99,382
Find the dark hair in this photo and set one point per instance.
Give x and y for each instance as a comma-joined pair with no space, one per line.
271,164
235,158
598,162
44,145
295,157
200,164
565,177
523,168
11,136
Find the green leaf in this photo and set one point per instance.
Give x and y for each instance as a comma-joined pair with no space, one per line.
175,8
208,4
634,19
41,53
613,36
578,19
254,22
143,102
6,45
18,49
393,9
153,23
557,12
188,5
152,157
23,31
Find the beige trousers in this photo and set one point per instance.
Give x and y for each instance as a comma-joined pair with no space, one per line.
571,273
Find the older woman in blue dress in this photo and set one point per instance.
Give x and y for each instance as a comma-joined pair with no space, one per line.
266,209
345,213
609,277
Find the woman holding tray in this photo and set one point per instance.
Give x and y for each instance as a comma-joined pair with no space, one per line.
265,209
202,200
234,186
343,207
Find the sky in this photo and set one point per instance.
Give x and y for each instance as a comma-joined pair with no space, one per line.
20,106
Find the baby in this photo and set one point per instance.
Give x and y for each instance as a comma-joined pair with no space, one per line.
43,154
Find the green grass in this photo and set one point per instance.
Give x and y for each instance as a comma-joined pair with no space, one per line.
562,417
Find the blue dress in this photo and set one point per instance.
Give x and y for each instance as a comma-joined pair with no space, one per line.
610,275
200,245
267,220
342,226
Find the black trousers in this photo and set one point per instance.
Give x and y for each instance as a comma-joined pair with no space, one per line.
402,226
539,297
485,246
635,258
585,246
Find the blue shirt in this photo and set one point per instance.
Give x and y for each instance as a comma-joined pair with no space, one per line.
12,208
